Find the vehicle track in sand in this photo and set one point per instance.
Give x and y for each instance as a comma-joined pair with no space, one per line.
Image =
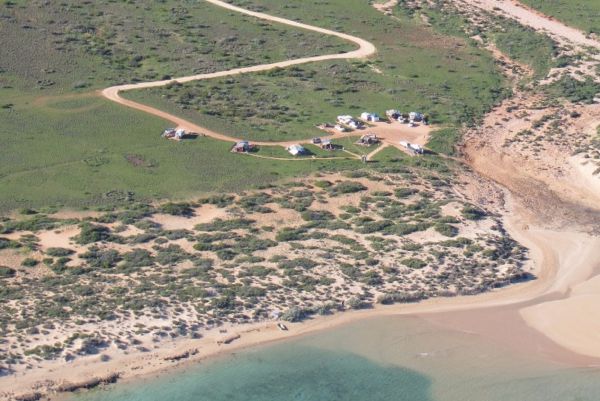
365,49
536,20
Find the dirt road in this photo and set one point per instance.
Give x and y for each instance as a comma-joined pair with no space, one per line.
534,19
365,49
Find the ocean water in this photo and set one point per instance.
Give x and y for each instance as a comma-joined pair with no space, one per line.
399,358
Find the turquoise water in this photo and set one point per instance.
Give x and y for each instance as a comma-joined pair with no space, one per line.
376,359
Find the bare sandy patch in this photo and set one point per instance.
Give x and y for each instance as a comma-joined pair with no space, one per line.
60,238
204,214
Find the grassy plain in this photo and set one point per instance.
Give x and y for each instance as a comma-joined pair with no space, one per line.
72,45
51,156
81,151
415,69
63,145
583,14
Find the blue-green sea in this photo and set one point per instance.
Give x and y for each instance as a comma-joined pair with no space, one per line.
398,358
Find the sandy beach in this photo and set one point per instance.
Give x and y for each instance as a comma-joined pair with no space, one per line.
563,263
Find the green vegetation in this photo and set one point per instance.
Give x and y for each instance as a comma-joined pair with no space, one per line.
473,213
583,14
520,43
449,79
526,46
77,150
444,141
56,159
6,272
575,90
63,146
177,209
106,42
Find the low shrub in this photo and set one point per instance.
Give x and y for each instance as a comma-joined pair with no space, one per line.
58,252
102,258
347,187
7,272
7,243
177,209
138,258
446,229
414,263
302,262
403,297
29,262
317,215
295,314
225,225
471,212
290,234
91,233
405,192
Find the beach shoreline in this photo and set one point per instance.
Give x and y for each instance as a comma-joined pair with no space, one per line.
184,353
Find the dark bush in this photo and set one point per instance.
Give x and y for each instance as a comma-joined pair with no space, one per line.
91,233
29,262
347,187
414,263
6,243
317,215
472,213
225,225
177,209
58,252
295,314
446,229
290,234
7,272
103,258
138,258
405,192
304,263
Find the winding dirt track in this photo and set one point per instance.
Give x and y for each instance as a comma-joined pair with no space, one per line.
365,49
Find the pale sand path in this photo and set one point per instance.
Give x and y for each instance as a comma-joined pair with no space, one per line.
387,6
536,20
365,49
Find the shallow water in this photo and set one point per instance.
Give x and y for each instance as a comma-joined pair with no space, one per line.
398,358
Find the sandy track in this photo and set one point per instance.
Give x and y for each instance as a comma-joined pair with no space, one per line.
365,49
536,20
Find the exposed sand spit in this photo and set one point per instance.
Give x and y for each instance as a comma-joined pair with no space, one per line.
553,190
572,322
